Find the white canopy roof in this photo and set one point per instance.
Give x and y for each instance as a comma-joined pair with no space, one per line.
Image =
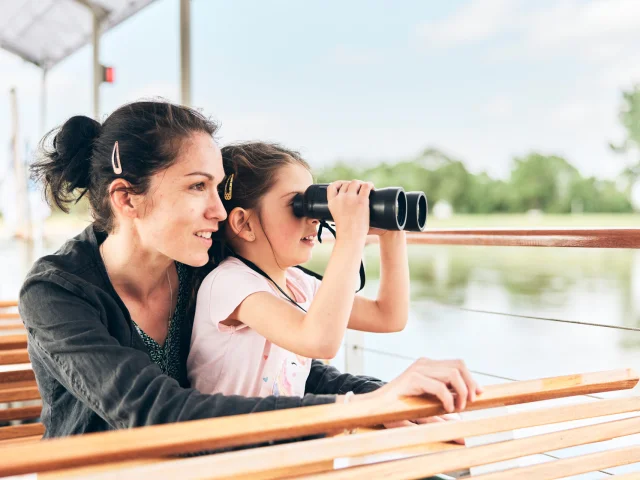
44,32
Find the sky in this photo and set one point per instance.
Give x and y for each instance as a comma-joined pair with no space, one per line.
369,80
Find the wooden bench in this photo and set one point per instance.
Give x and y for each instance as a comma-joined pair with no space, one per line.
18,388
415,452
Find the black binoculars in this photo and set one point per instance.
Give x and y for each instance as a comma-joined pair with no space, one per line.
389,208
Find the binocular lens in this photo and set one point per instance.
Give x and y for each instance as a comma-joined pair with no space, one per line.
417,210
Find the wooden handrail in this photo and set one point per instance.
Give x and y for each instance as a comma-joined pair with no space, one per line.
20,413
13,357
183,437
426,465
13,342
16,373
571,466
8,303
19,431
270,462
19,391
536,237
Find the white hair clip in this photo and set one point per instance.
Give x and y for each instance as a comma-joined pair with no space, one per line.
115,156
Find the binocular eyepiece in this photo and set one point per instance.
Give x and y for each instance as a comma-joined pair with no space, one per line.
390,208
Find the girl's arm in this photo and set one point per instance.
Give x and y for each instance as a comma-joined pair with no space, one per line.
390,311
319,332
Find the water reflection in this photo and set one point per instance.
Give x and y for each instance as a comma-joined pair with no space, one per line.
594,286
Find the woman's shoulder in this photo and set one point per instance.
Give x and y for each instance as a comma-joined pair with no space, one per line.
75,261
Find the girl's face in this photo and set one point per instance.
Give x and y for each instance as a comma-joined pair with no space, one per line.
182,207
291,238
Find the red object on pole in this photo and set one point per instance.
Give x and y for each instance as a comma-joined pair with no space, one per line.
108,74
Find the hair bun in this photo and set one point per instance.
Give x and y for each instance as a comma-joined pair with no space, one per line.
73,145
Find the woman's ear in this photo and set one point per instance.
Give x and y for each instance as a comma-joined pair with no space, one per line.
123,201
240,222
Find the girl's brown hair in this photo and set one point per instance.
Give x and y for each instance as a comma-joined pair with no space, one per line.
254,166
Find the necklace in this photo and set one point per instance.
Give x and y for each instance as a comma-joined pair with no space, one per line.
101,250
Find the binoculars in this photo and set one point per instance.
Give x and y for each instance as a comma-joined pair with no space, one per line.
390,208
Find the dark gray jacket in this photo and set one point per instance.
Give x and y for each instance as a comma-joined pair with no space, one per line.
93,370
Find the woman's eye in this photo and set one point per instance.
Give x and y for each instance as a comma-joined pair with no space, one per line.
198,186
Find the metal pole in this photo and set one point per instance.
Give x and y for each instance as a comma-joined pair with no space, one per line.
97,68
185,52
23,221
43,103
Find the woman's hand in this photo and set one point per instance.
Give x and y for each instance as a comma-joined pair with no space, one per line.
349,207
448,380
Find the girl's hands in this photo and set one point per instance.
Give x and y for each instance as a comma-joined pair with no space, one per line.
349,206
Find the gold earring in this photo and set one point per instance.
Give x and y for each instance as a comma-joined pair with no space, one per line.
228,188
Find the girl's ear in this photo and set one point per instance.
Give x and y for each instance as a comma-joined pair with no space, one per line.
241,224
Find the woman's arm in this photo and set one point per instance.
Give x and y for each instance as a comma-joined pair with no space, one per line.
326,379
390,311
67,334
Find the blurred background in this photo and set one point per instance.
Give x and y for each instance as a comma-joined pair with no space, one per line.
507,113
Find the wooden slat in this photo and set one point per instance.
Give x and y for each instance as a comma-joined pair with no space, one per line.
273,462
17,373
11,357
116,470
18,391
21,440
9,315
628,476
17,431
425,465
8,303
5,326
183,437
537,237
83,472
570,466
13,342
20,413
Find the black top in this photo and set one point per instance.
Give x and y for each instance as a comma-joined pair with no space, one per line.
93,369
167,356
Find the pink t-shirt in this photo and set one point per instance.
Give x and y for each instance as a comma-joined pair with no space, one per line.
237,360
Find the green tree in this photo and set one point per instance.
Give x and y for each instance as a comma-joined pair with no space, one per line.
542,182
630,118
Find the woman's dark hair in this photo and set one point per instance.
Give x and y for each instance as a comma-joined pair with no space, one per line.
76,158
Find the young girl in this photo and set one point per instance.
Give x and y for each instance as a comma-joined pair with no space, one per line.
258,321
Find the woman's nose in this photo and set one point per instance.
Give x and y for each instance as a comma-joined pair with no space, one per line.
215,209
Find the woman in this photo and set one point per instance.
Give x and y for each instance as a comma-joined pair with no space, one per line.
108,316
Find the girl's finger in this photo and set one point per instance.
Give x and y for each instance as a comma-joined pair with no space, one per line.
365,189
